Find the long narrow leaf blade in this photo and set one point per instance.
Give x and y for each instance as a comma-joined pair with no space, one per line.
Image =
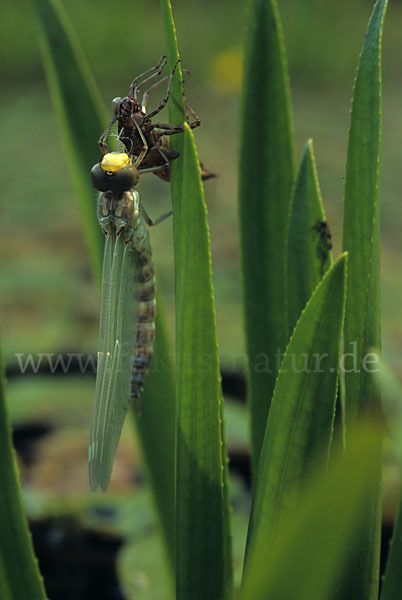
157,422
200,500
119,313
265,184
312,544
19,574
182,188
303,407
361,234
78,107
308,245
175,105
176,115
361,238
228,568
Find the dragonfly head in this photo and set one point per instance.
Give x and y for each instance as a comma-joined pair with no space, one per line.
115,173
124,108
116,105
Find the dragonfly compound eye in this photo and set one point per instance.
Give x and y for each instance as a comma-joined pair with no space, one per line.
118,181
116,104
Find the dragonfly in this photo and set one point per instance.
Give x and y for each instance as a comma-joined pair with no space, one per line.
146,142
128,308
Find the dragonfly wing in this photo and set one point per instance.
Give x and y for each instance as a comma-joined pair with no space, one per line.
118,322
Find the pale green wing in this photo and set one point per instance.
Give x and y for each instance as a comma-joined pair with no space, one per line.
118,324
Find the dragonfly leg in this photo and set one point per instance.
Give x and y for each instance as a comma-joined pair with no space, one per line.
135,82
172,129
166,98
169,129
145,97
152,169
160,150
188,109
159,155
153,76
162,218
102,142
144,150
152,223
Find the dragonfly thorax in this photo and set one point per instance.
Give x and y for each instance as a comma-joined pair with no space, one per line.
126,109
118,212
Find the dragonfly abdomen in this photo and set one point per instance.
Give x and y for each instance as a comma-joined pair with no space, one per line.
145,336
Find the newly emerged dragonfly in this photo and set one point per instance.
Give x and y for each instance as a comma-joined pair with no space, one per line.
128,309
146,142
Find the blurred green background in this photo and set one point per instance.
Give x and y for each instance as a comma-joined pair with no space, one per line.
48,299
48,302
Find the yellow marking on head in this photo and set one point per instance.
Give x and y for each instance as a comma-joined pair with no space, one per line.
115,161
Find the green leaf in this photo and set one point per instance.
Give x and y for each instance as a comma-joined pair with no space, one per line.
361,238
308,245
303,408
176,107
228,568
196,394
265,185
312,543
361,227
19,574
201,511
79,110
156,429
175,104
